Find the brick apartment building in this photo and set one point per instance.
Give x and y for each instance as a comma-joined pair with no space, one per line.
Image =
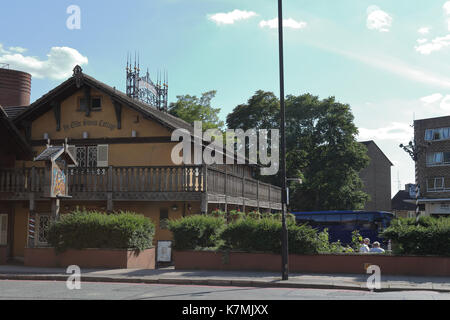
377,179
433,164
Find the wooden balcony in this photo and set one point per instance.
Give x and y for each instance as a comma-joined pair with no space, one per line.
156,183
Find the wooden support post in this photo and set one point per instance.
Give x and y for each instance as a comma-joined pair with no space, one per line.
32,221
257,195
243,192
204,203
55,208
109,194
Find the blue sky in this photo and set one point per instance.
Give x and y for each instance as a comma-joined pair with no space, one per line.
388,59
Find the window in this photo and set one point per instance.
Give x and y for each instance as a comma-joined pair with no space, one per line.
43,222
438,158
333,219
435,184
96,103
437,134
428,135
90,156
163,217
3,229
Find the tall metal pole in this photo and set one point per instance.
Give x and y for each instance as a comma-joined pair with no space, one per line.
284,236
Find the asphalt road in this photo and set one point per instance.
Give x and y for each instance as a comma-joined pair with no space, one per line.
57,290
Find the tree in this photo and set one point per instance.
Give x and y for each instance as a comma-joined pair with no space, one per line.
191,108
321,148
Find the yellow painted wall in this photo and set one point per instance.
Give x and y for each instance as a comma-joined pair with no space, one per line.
103,124
99,124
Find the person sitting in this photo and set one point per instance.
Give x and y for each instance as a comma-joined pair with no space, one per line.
365,246
376,248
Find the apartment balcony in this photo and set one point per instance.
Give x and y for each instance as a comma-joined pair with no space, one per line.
154,183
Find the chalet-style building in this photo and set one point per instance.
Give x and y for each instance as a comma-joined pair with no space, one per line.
377,179
123,150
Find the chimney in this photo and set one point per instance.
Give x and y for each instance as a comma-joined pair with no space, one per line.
15,88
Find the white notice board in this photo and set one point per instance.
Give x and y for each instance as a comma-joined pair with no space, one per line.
164,253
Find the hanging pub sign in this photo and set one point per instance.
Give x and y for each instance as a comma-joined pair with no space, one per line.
56,159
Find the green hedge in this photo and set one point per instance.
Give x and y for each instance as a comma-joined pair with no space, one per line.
196,231
246,234
428,236
264,235
90,229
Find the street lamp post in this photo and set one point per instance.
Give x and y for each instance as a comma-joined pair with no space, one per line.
284,237
414,150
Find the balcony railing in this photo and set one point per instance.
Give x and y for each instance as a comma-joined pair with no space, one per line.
139,180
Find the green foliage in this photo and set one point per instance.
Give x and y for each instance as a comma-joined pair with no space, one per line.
91,229
265,235
290,218
196,231
254,214
428,236
319,135
218,213
356,240
191,108
236,214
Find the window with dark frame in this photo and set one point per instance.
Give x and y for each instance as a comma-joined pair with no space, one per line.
96,103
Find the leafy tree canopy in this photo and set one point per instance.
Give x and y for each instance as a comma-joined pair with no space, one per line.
191,108
321,148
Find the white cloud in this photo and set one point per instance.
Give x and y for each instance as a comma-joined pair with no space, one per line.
435,45
377,19
446,7
422,41
394,66
59,64
424,30
231,17
2,50
287,23
395,131
17,49
445,103
431,98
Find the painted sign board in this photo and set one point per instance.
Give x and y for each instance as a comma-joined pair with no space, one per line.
58,185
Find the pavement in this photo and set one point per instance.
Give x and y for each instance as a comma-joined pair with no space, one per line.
169,275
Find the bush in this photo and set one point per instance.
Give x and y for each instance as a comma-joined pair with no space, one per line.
265,235
254,215
92,229
236,214
196,231
428,236
218,213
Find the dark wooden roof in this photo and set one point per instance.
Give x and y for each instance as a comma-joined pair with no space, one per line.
52,153
12,112
12,140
